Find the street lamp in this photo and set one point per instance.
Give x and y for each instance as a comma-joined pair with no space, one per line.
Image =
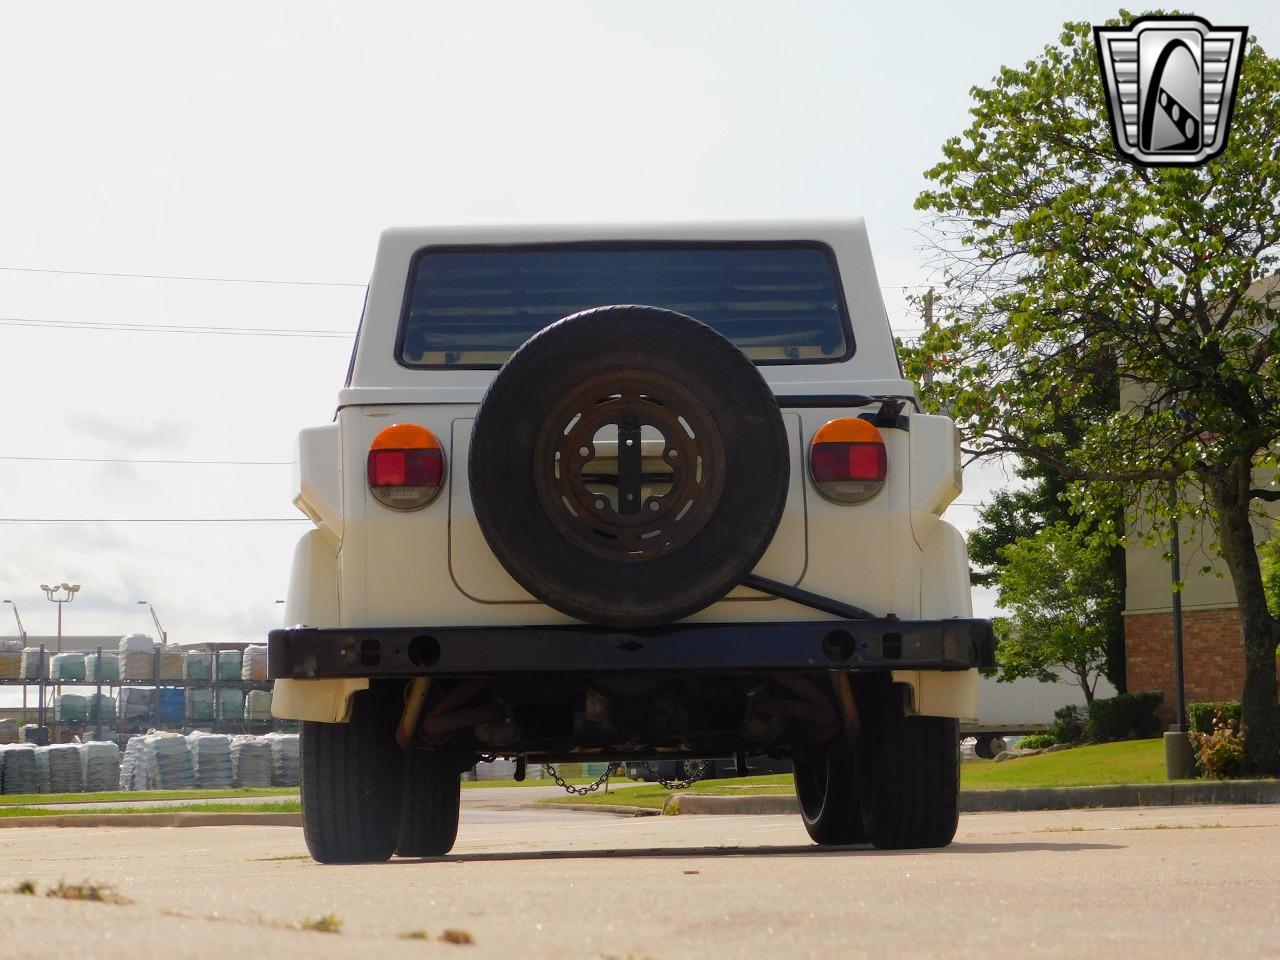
164,637
22,634
51,593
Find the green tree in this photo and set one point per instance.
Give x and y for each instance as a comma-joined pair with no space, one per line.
1061,598
1063,262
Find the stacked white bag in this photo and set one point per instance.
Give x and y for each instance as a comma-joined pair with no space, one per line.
199,665
65,772
18,770
110,667
229,664
100,765
157,761
136,656
69,708
67,666
10,659
199,705
173,663
210,760
251,761
230,703
253,665
8,731
99,708
257,705
42,770
133,766
35,664
285,759
135,703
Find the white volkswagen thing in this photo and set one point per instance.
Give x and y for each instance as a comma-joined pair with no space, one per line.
629,492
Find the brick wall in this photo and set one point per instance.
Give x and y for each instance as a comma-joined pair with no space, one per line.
1212,655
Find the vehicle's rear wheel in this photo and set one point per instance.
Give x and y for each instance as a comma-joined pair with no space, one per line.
909,780
827,788
351,783
429,805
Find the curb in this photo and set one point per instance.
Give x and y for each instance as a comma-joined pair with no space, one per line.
157,820
1042,798
617,810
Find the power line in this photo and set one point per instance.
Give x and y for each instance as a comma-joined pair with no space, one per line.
239,463
188,520
190,279
172,328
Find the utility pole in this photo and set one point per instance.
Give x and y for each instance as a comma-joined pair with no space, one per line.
22,634
51,593
928,328
164,637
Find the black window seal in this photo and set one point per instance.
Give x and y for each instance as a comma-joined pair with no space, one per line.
824,248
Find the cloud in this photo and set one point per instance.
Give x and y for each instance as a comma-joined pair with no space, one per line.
134,435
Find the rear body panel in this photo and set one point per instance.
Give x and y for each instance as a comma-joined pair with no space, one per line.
891,555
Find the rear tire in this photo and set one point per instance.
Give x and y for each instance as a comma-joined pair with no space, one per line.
909,781
827,789
429,805
351,783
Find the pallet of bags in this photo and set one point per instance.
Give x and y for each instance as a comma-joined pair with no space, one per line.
169,762
69,708
18,770
230,703
35,664
251,761
137,657
66,775
10,659
285,759
8,731
199,665
100,765
210,759
253,663
229,663
199,705
173,663
257,705
171,706
99,708
42,770
135,703
133,765
110,667
67,667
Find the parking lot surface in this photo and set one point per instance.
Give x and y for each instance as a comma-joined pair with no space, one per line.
1153,882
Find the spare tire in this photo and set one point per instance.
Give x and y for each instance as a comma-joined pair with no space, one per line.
664,520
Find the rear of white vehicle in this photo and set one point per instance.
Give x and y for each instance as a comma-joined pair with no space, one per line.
699,517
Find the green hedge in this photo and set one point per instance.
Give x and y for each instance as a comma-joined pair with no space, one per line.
1129,716
1037,741
1203,717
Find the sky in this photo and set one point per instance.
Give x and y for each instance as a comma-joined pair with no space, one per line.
273,143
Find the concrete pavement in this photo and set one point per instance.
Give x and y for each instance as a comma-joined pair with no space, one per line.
1149,882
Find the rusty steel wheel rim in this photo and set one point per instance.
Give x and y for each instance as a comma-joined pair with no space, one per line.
615,507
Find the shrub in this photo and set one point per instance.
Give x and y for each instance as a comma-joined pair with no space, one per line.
1206,717
1068,724
1129,716
1037,741
1220,752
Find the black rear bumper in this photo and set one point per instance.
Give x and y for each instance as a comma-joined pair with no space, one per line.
306,653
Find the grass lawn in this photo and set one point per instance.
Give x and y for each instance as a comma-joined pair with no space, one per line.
286,806
110,796
1130,761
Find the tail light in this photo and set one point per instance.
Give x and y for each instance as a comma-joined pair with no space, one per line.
847,460
406,466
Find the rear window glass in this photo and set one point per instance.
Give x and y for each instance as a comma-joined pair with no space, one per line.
472,307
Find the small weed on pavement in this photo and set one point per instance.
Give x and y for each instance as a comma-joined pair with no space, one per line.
326,924
460,937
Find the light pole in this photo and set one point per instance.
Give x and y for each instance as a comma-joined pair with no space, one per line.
51,593
22,634
164,637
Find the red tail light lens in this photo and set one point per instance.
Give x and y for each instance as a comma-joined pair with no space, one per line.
847,461
405,467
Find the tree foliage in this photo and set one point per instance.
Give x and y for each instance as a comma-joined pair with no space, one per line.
1065,264
1061,597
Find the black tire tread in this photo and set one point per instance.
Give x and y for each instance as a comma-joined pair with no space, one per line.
911,791
835,817
429,806
350,787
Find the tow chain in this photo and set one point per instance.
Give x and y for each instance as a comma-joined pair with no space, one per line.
699,771
579,791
